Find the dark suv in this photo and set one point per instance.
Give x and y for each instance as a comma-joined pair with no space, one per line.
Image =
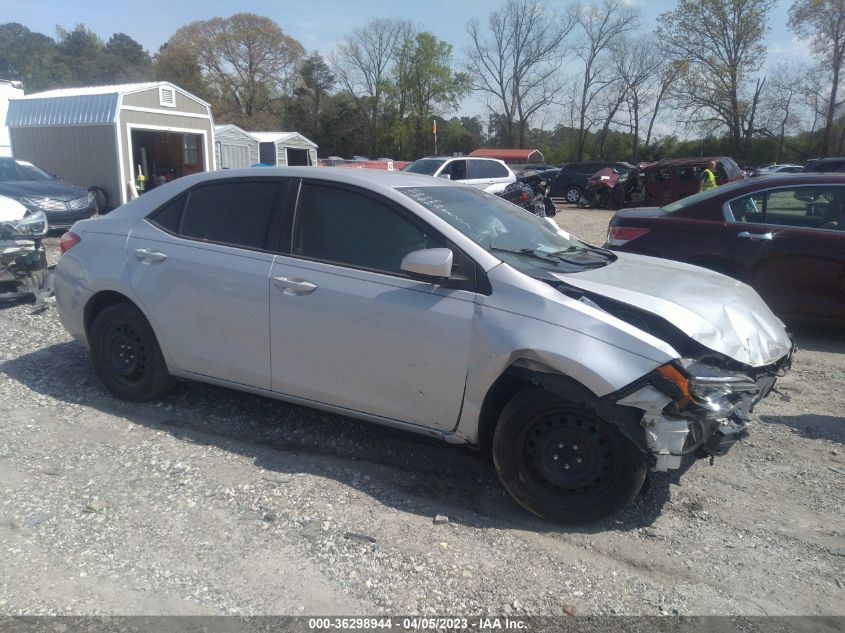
571,181
825,165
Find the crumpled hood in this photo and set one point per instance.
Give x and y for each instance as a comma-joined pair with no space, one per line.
721,313
55,189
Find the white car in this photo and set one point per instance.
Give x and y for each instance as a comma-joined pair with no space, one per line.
420,304
489,174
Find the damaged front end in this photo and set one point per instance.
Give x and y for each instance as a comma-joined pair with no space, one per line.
699,404
23,261
691,408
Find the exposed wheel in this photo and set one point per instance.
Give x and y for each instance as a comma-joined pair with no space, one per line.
572,194
562,462
126,355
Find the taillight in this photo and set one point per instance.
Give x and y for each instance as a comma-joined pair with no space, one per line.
68,241
619,235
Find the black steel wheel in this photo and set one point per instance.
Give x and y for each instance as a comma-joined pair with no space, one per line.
126,355
563,462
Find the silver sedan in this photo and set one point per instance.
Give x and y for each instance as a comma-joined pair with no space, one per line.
430,306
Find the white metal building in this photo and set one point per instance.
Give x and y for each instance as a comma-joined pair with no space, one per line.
8,90
286,148
234,148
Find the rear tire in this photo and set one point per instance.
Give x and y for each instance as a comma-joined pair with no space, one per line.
126,354
573,194
563,462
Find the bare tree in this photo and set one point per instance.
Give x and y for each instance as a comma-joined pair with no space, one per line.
248,60
823,22
363,64
516,61
780,104
602,23
718,45
639,63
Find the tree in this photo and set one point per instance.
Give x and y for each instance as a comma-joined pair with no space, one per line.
516,62
428,84
125,60
718,46
81,52
363,63
602,23
780,104
823,23
310,96
247,60
30,57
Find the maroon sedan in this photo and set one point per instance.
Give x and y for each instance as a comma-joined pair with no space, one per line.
783,235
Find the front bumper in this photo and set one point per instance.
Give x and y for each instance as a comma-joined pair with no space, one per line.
23,269
66,219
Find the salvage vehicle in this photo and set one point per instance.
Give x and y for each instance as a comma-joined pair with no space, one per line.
783,235
668,180
571,180
63,204
488,174
429,306
23,262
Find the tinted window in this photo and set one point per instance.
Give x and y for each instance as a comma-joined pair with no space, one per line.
457,170
344,227
425,166
169,217
496,170
803,207
237,213
11,170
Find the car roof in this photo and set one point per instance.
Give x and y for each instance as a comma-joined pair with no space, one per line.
770,181
694,160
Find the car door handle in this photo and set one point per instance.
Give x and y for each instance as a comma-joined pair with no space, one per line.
292,286
756,236
149,257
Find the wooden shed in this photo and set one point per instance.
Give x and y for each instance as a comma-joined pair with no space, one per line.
102,137
286,148
234,148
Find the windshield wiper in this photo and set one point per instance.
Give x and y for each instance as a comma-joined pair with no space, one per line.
528,252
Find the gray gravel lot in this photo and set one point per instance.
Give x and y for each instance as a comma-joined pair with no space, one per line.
213,501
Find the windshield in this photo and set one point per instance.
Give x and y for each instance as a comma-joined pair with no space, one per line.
11,170
425,166
509,232
683,203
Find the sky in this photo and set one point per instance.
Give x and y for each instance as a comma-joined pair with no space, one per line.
319,24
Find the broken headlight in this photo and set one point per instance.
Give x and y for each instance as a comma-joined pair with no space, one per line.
32,225
702,389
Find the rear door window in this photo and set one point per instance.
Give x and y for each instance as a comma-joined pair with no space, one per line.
799,207
233,213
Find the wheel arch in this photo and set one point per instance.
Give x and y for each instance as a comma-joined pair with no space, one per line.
524,374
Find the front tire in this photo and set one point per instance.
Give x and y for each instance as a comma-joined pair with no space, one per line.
126,354
563,462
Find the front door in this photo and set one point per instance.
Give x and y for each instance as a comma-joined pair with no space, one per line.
349,329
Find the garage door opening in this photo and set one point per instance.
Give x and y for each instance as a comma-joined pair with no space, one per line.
297,157
164,156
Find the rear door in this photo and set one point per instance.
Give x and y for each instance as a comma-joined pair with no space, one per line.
660,185
348,328
798,237
200,267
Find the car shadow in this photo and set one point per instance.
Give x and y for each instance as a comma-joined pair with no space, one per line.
812,426
405,471
819,338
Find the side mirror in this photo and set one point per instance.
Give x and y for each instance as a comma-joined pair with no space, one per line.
430,264
446,176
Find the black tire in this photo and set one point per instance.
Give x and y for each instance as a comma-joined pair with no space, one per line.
126,355
573,194
537,445
100,197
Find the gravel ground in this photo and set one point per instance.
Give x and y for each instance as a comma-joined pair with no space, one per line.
213,501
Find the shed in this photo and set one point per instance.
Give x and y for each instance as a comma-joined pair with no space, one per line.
8,90
234,148
103,136
511,156
286,148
